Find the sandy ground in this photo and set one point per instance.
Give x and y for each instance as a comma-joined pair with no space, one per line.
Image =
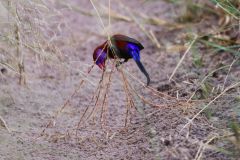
153,133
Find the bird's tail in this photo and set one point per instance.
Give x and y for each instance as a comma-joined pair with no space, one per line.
143,70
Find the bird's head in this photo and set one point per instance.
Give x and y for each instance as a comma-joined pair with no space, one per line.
100,55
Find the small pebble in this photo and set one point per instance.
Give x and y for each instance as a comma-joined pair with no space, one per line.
166,142
3,70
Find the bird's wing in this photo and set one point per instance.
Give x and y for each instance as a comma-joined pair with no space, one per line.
120,37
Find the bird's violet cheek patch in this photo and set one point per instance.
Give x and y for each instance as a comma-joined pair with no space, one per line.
101,57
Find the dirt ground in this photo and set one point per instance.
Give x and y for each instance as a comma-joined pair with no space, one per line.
152,132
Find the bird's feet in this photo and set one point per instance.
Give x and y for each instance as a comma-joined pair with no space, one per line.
118,64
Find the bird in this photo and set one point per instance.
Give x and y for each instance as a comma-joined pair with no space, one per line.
120,47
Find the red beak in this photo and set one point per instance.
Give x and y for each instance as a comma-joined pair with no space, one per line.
102,66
